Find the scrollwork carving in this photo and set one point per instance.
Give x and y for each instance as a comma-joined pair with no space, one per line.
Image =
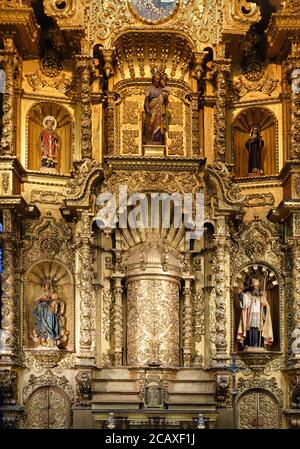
48,238
223,396
259,200
84,388
8,386
130,112
62,83
175,146
129,141
266,85
260,382
47,380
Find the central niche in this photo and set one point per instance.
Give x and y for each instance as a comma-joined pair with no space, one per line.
152,91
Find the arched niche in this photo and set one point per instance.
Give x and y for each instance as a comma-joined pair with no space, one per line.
269,284
241,127
35,119
61,281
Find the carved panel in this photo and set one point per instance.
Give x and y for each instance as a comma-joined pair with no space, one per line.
266,85
48,408
83,388
37,81
176,113
258,410
153,322
106,19
48,239
47,380
175,147
130,112
129,141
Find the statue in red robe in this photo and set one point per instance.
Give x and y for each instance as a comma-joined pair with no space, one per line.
49,141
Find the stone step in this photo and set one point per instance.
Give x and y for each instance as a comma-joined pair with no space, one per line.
209,407
111,374
191,374
101,385
115,405
192,388
191,397
116,395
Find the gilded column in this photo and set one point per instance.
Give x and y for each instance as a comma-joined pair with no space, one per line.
8,340
296,300
86,275
84,71
152,321
221,71
8,59
118,320
110,125
187,323
293,65
220,293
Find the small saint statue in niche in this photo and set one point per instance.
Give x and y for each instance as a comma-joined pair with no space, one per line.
255,146
155,105
49,318
255,326
49,141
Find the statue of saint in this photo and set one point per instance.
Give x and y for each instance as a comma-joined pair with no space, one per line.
49,141
46,312
156,101
255,327
254,146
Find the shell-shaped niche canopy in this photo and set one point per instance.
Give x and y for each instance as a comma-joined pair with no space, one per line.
141,54
49,307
